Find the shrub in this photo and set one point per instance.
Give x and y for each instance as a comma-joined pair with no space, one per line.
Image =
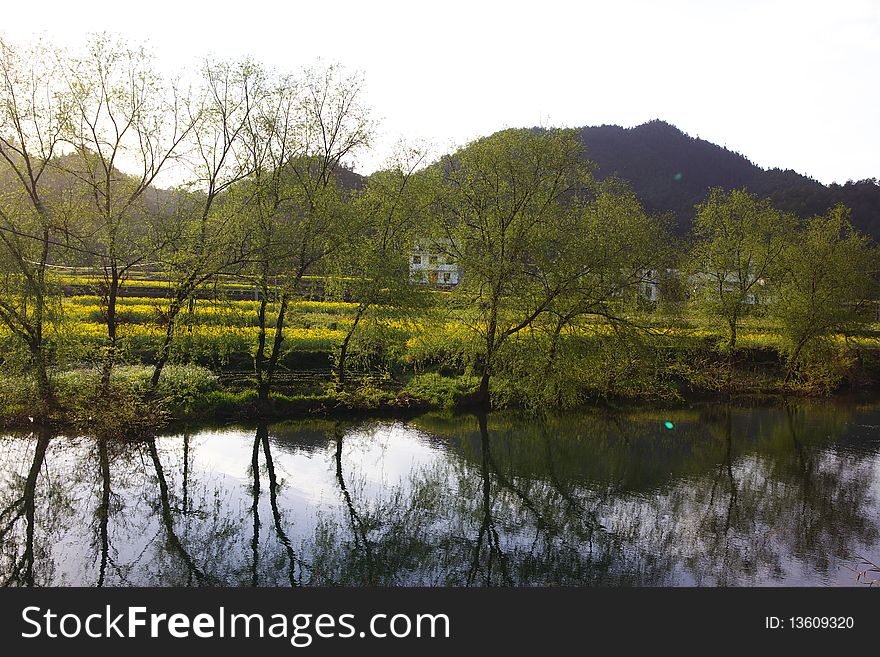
181,386
821,367
441,391
129,407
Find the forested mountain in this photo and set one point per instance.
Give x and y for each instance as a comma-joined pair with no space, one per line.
672,172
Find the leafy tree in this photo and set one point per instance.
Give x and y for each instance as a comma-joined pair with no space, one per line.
613,249
827,281
202,236
372,268
504,213
124,115
738,252
35,111
299,137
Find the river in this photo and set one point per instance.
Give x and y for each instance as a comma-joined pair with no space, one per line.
704,495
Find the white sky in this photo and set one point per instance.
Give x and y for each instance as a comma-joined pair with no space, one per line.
790,84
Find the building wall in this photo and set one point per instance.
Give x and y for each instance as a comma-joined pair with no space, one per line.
429,266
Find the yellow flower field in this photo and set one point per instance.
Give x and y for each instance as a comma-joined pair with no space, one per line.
230,326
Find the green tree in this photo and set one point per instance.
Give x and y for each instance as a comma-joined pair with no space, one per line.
35,111
827,282
737,255
128,124
299,137
202,236
372,268
504,213
613,250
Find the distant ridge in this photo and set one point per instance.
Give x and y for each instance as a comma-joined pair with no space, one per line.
671,172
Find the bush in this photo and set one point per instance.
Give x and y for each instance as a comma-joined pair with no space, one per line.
17,398
441,391
821,367
624,364
181,386
127,409
369,394
122,411
225,404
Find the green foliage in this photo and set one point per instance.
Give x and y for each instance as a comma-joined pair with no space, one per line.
439,340
440,391
820,367
737,256
18,398
371,267
245,404
224,403
127,409
545,371
177,387
553,264
368,393
826,284
181,386
505,214
376,346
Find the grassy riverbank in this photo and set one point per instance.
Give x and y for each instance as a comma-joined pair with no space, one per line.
196,393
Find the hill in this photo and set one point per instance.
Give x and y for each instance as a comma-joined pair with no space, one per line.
672,172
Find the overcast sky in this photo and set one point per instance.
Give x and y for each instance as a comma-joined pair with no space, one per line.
789,84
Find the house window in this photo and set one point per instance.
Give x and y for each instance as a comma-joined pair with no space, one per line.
417,260
446,277
432,260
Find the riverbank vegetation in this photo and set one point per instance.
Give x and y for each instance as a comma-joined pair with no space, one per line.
267,279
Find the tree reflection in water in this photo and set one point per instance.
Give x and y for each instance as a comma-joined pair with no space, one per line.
19,522
733,496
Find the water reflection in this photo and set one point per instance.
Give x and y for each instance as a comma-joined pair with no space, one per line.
19,521
731,496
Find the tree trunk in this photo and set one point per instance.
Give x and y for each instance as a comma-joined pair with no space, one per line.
44,388
554,346
260,356
266,388
165,350
481,397
731,350
733,323
44,385
343,349
792,361
340,366
110,356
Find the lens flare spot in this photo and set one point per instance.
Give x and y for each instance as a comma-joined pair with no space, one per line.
668,425
677,177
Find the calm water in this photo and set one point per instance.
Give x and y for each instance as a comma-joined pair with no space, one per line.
728,496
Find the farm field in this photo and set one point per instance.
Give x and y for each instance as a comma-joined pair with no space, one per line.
221,328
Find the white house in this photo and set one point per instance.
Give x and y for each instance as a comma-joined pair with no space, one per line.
430,264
